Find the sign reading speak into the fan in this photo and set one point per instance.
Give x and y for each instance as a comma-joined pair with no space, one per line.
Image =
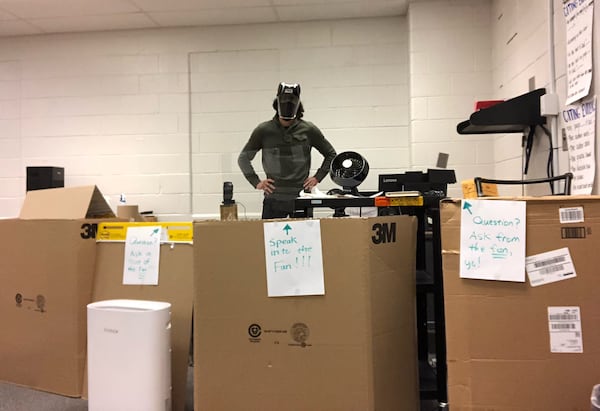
294,258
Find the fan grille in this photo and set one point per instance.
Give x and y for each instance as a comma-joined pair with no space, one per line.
349,169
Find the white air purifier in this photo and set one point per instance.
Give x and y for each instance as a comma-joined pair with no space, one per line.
129,355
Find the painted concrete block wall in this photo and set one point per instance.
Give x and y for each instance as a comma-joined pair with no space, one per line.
520,44
450,69
11,186
354,79
161,115
520,52
95,104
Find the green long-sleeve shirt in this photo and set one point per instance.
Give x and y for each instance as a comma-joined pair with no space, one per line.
285,155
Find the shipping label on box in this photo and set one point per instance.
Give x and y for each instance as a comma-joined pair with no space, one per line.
549,267
564,324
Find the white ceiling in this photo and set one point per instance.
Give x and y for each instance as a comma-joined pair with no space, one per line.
24,17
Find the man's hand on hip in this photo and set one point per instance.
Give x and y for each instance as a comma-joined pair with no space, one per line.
266,185
309,183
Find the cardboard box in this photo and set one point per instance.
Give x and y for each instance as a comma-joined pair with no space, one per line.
498,333
47,263
175,286
353,348
65,204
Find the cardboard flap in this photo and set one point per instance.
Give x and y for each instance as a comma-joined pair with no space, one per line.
65,203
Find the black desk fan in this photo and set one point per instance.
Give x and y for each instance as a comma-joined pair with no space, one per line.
348,170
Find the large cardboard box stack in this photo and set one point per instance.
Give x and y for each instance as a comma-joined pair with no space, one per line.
499,333
47,259
353,348
175,286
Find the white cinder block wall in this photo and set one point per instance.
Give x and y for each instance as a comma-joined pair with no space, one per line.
102,106
521,52
520,33
450,69
160,115
114,108
462,51
354,79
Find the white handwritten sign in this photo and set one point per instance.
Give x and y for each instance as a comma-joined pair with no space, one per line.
294,258
492,240
579,17
580,126
142,254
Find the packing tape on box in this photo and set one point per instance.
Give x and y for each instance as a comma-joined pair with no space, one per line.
172,232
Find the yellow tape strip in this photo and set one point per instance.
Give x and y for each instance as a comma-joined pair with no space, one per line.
177,232
406,201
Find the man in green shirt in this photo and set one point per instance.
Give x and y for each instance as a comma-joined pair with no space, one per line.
286,142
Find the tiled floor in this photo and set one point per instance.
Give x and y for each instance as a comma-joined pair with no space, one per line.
15,398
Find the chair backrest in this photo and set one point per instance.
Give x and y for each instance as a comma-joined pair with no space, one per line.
567,177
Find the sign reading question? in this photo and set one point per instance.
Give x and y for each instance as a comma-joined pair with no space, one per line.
492,240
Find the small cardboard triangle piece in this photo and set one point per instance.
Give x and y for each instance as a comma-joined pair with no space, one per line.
65,204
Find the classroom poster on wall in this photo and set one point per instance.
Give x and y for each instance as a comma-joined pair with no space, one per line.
294,258
492,240
580,128
579,16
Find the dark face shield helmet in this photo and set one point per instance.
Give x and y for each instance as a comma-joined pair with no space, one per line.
288,100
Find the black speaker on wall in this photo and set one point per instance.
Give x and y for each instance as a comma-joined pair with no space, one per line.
45,177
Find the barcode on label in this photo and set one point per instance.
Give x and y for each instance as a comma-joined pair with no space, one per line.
572,232
563,326
571,214
550,261
563,317
552,269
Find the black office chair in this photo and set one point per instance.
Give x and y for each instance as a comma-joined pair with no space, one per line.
567,177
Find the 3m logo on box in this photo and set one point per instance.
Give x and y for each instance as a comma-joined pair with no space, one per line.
384,233
89,230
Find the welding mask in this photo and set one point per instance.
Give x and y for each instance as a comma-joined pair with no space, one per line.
288,100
